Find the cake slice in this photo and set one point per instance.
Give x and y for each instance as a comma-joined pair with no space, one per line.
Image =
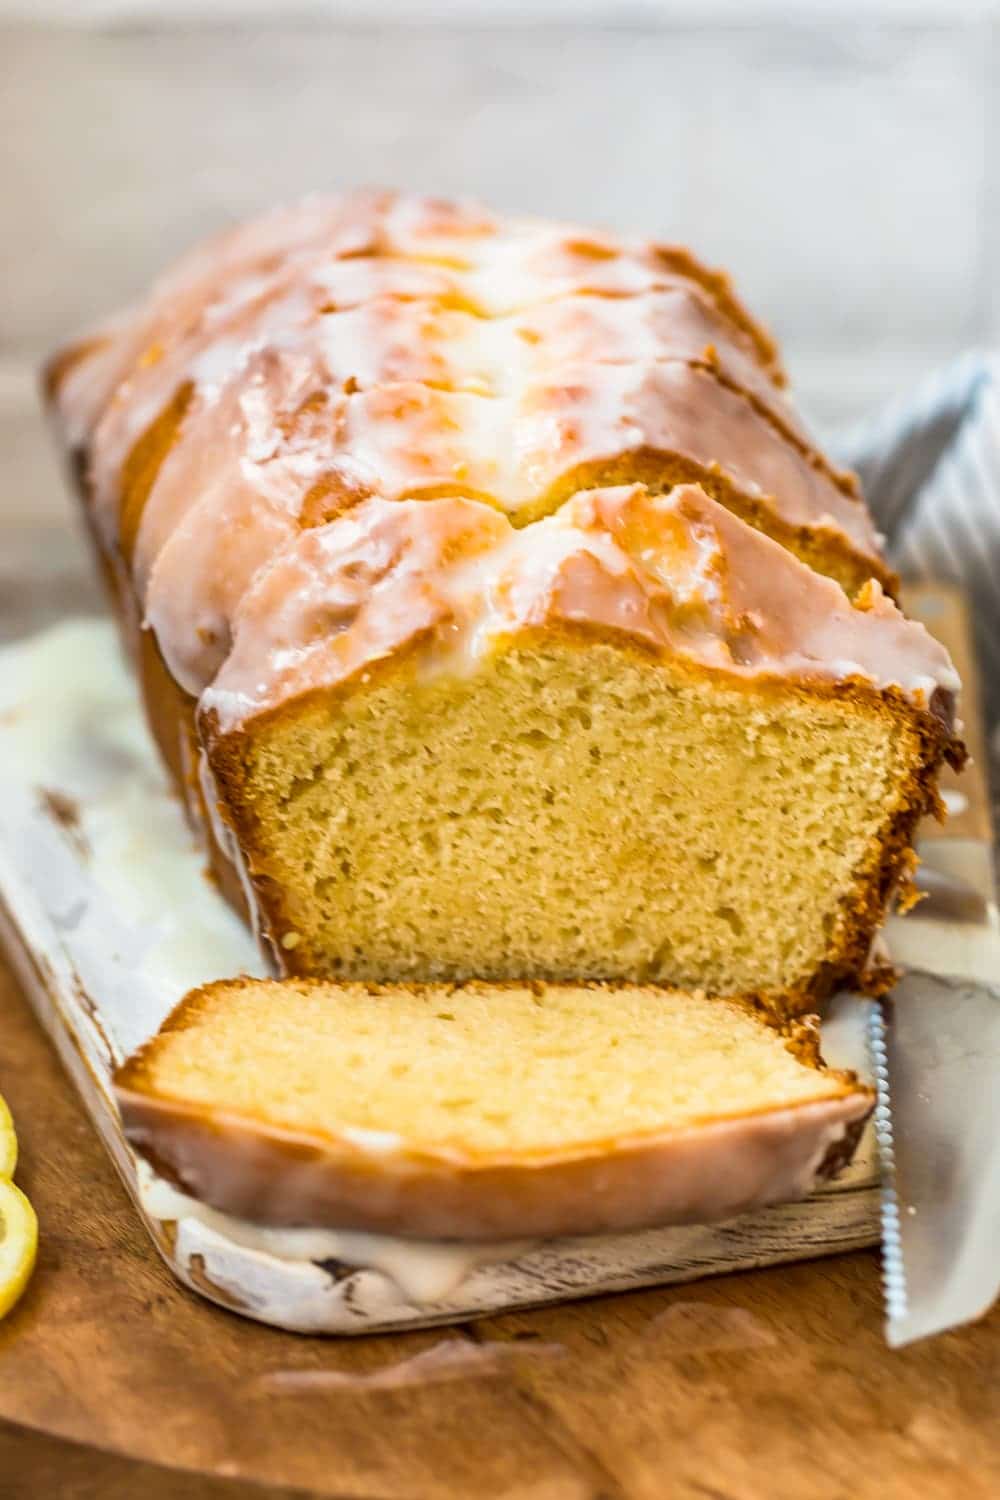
484,1112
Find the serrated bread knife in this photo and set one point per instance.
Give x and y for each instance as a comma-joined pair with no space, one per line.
935,1047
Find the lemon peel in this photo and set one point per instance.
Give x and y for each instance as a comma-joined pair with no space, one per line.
18,1244
8,1142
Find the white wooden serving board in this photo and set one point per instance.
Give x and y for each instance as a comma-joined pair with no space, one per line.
110,919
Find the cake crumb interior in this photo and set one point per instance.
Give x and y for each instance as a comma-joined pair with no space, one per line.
570,811
519,1068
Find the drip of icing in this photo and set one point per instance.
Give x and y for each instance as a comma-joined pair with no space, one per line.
425,1271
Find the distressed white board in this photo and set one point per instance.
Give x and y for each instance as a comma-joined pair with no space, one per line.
107,912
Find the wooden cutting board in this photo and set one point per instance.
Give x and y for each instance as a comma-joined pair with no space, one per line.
773,1384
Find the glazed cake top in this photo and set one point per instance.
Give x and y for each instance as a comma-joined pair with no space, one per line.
299,374
451,577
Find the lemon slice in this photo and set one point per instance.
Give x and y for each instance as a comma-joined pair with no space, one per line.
8,1142
18,1244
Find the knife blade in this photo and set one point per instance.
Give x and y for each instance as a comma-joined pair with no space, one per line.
935,1049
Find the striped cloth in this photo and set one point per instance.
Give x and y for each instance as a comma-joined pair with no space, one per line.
930,467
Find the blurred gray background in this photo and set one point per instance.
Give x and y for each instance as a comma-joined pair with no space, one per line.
839,158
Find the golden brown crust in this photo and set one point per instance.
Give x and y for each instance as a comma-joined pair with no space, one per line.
719,287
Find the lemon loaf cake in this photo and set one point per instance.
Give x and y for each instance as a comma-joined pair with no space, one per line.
484,1111
495,611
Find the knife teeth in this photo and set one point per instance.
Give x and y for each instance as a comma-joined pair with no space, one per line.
893,1267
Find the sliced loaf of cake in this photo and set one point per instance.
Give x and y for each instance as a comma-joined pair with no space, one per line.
484,1111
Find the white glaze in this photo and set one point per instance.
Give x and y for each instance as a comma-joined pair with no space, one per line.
425,1271
677,572
398,346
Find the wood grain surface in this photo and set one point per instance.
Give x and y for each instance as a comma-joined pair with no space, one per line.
767,1386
